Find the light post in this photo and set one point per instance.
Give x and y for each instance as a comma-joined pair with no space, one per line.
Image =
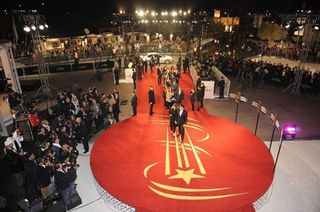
276,125
260,108
34,25
237,98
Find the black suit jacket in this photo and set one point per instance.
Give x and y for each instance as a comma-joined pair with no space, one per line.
152,98
182,119
61,180
179,97
193,97
134,100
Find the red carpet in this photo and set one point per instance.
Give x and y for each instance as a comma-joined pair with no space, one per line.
220,167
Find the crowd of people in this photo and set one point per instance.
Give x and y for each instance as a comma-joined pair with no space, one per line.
173,95
48,168
258,71
106,48
288,50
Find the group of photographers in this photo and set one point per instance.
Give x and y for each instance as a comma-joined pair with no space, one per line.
49,169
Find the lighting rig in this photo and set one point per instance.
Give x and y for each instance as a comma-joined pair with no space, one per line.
35,25
309,23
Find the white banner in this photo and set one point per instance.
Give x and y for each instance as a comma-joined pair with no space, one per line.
128,76
209,92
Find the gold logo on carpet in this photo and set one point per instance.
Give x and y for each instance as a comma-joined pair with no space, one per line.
185,167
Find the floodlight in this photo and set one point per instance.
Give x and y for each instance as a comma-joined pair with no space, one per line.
316,27
26,29
33,27
41,27
174,13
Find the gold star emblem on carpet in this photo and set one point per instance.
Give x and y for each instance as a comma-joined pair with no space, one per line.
186,175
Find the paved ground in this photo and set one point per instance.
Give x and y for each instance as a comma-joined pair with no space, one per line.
300,110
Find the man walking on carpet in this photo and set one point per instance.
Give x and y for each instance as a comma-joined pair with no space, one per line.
182,121
152,100
134,101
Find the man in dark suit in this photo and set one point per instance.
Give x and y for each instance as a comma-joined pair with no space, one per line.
152,100
83,132
117,75
145,65
192,98
159,74
201,91
182,121
198,83
63,184
116,96
179,96
221,84
134,78
134,102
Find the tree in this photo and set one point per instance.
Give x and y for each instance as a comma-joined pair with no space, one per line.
272,32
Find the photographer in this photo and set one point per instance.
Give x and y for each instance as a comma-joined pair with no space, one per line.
71,171
63,183
17,139
44,175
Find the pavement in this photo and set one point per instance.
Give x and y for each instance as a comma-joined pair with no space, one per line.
303,111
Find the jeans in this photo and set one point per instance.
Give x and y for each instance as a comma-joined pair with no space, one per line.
72,189
66,196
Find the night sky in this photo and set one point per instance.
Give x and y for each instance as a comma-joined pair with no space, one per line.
70,17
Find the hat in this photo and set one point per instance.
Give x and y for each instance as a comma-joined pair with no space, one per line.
9,141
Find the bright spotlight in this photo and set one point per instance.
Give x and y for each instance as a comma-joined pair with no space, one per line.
316,27
33,27
174,13
141,13
41,27
46,26
165,13
26,29
184,13
189,11
153,13
287,26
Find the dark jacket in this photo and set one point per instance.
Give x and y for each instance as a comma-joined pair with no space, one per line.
182,119
62,180
152,98
179,97
43,176
134,101
193,97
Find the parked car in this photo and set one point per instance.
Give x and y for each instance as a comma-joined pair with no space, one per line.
163,58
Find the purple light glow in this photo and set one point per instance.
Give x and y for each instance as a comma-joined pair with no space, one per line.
291,130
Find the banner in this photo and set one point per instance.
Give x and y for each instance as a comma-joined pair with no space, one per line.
209,92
